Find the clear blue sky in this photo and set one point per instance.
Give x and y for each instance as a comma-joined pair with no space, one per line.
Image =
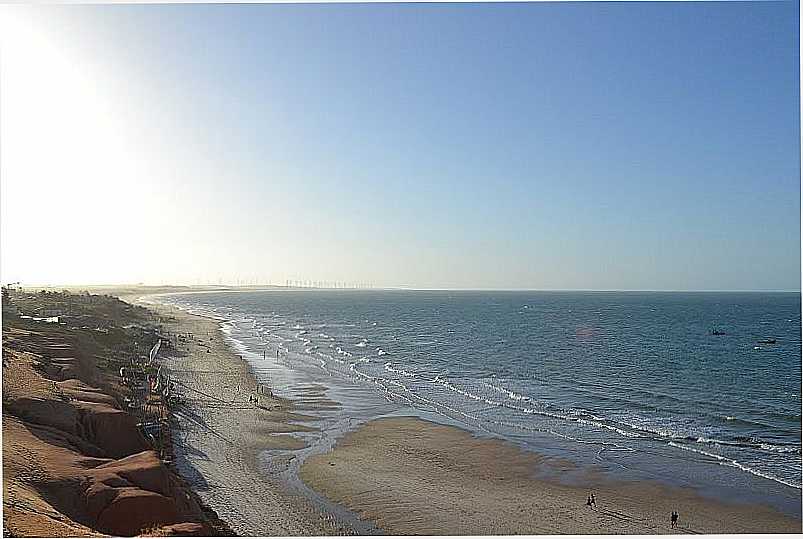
567,145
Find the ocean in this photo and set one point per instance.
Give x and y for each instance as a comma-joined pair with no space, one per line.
632,383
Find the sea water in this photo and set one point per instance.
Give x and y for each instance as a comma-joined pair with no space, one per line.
634,383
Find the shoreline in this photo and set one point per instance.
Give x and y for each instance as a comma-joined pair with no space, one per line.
334,476
419,477
221,435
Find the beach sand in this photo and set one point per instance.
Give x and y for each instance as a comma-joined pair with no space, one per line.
221,434
415,477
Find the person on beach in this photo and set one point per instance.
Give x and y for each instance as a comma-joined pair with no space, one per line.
674,519
588,502
593,500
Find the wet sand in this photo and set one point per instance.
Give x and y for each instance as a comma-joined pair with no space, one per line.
414,477
221,434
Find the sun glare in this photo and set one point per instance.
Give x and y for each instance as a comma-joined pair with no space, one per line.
65,155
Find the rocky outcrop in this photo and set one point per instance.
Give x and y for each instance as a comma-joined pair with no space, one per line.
126,496
97,428
74,463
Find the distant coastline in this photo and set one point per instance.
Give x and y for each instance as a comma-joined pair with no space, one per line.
142,290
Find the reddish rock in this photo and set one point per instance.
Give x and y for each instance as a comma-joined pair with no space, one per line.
134,510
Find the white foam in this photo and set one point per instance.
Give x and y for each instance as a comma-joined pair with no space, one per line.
399,371
510,394
443,382
725,461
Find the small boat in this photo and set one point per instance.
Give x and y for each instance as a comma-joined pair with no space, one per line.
717,332
767,341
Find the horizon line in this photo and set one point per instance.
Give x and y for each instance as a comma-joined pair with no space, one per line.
256,287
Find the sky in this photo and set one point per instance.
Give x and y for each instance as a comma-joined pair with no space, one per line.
632,146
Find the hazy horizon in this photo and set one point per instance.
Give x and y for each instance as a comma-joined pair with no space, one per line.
223,287
566,146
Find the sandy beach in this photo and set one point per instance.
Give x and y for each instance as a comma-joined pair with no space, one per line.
415,477
221,434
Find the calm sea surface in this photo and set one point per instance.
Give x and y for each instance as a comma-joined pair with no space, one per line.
634,383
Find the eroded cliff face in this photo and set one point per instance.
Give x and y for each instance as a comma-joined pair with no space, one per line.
74,462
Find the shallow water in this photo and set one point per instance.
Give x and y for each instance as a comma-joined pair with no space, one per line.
632,382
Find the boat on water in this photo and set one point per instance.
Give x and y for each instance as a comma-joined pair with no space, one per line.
767,341
717,332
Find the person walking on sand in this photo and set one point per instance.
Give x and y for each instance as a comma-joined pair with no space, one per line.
593,500
588,502
674,519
